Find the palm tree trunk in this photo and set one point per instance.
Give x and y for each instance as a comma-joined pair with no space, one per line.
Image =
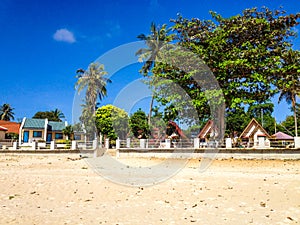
295,114
150,110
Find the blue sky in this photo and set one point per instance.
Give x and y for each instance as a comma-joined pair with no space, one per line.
43,43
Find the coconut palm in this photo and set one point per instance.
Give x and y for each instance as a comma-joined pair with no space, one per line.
6,112
68,131
289,85
58,115
94,81
290,98
157,38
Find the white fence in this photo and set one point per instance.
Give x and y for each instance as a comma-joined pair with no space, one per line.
150,144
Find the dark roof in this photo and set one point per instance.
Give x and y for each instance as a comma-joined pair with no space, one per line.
34,123
57,126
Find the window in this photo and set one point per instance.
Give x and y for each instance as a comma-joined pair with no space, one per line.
37,134
59,136
77,137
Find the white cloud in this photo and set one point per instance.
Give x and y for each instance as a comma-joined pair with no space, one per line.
64,35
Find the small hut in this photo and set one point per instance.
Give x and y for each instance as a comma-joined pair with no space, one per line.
2,132
281,139
255,135
207,132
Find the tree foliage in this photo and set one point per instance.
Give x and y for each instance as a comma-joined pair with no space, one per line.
68,131
112,122
54,115
6,112
94,80
288,83
244,53
138,124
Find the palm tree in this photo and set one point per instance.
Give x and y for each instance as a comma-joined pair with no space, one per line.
68,131
6,112
290,98
289,85
157,38
58,115
94,81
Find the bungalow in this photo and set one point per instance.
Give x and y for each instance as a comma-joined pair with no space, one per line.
3,130
177,132
281,139
40,129
13,129
206,131
255,135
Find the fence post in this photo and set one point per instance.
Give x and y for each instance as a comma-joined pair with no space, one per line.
228,143
33,145
118,143
168,143
15,145
74,145
128,143
52,145
196,142
142,143
95,144
107,143
101,140
297,142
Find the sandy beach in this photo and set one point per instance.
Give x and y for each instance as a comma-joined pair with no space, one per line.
63,189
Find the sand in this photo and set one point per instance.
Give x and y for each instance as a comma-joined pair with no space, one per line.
63,189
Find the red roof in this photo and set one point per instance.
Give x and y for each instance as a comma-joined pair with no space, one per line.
12,127
3,128
206,129
178,130
282,136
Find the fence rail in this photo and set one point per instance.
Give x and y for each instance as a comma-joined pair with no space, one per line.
150,144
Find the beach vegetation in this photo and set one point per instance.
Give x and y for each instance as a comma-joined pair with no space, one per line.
93,81
112,122
53,115
139,126
6,112
251,56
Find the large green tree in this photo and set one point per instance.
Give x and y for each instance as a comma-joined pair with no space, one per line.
54,115
112,122
139,125
6,112
244,52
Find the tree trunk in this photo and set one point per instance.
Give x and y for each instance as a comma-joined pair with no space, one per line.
295,114
150,110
